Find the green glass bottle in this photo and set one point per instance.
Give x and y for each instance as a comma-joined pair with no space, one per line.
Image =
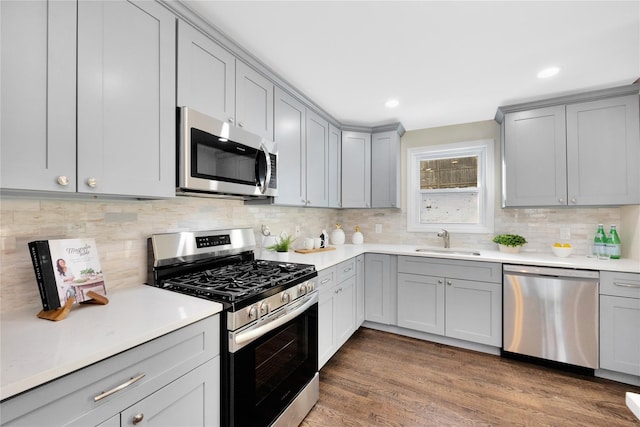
613,243
600,242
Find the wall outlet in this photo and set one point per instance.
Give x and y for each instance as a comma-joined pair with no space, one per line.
378,228
297,232
565,235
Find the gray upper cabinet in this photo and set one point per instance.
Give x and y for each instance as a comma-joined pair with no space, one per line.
38,102
124,54
206,74
535,158
603,151
356,169
317,143
335,167
126,98
254,101
213,81
385,167
302,138
289,135
581,150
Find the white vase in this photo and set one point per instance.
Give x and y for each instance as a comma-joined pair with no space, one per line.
282,256
509,249
337,237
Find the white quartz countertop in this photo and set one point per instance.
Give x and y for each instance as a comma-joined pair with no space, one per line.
326,259
34,351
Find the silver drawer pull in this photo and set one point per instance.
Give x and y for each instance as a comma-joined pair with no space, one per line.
346,270
324,281
626,285
118,388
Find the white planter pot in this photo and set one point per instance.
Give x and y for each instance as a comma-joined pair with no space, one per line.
282,256
509,249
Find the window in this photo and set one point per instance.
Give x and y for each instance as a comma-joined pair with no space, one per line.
451,186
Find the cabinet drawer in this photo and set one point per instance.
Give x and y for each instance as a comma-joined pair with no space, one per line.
157,363
326,278
345,269
458,269
620,284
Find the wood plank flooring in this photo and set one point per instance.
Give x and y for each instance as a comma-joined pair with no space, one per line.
382,379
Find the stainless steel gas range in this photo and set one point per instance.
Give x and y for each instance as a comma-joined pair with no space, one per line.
269,345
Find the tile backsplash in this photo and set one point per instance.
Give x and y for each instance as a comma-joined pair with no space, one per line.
121,227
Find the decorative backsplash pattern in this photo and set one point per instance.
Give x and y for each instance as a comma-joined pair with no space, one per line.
121,227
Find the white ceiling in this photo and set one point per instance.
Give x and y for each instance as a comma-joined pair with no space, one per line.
447,62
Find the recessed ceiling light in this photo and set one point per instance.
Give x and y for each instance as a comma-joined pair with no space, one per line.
392,103
548,72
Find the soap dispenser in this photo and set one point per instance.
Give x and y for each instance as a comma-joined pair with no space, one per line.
357,238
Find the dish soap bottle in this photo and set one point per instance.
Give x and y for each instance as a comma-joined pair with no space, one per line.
357,238
613,243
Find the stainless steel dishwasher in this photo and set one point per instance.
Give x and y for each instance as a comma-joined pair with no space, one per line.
551,313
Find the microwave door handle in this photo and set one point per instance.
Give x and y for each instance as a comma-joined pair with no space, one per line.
267,162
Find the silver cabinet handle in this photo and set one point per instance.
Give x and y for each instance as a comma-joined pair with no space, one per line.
231,120
440,281
92,182
63,180
346,270
325,281
449,282
118,388
573,200
137,418
626,285
241,124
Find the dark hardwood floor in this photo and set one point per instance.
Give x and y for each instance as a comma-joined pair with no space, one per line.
382,379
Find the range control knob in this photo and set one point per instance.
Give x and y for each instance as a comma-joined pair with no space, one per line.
302,289
310,286
264,308
286,297
252,312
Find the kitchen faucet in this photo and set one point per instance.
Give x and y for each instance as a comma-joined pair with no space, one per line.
445,235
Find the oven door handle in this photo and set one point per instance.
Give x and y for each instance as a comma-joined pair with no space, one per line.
240,339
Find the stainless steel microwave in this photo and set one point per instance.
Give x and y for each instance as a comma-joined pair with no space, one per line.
216,157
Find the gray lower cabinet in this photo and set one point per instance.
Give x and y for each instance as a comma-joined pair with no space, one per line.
359,290
356,169
581,150
455,298
336,308
172,380
106,69
620,322
380,284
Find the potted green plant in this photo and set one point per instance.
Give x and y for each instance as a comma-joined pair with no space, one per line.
282,245
509,243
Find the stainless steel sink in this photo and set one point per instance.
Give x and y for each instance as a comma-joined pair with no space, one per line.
447,252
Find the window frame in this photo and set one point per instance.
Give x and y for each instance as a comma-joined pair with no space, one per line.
484,149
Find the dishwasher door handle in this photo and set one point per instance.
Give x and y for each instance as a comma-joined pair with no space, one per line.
551,271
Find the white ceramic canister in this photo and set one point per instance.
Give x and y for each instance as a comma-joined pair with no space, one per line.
337,236
357,238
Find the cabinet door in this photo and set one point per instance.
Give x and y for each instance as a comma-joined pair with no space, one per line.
421,303
38,102
619,337
534,158
385,167
356,170
345,315
317,142
335,167
359,290
289,135
191,400
474,311
380,288
254,101
603,152
326,329
206,75
126,98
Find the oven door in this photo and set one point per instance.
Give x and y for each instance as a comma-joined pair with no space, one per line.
270,363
